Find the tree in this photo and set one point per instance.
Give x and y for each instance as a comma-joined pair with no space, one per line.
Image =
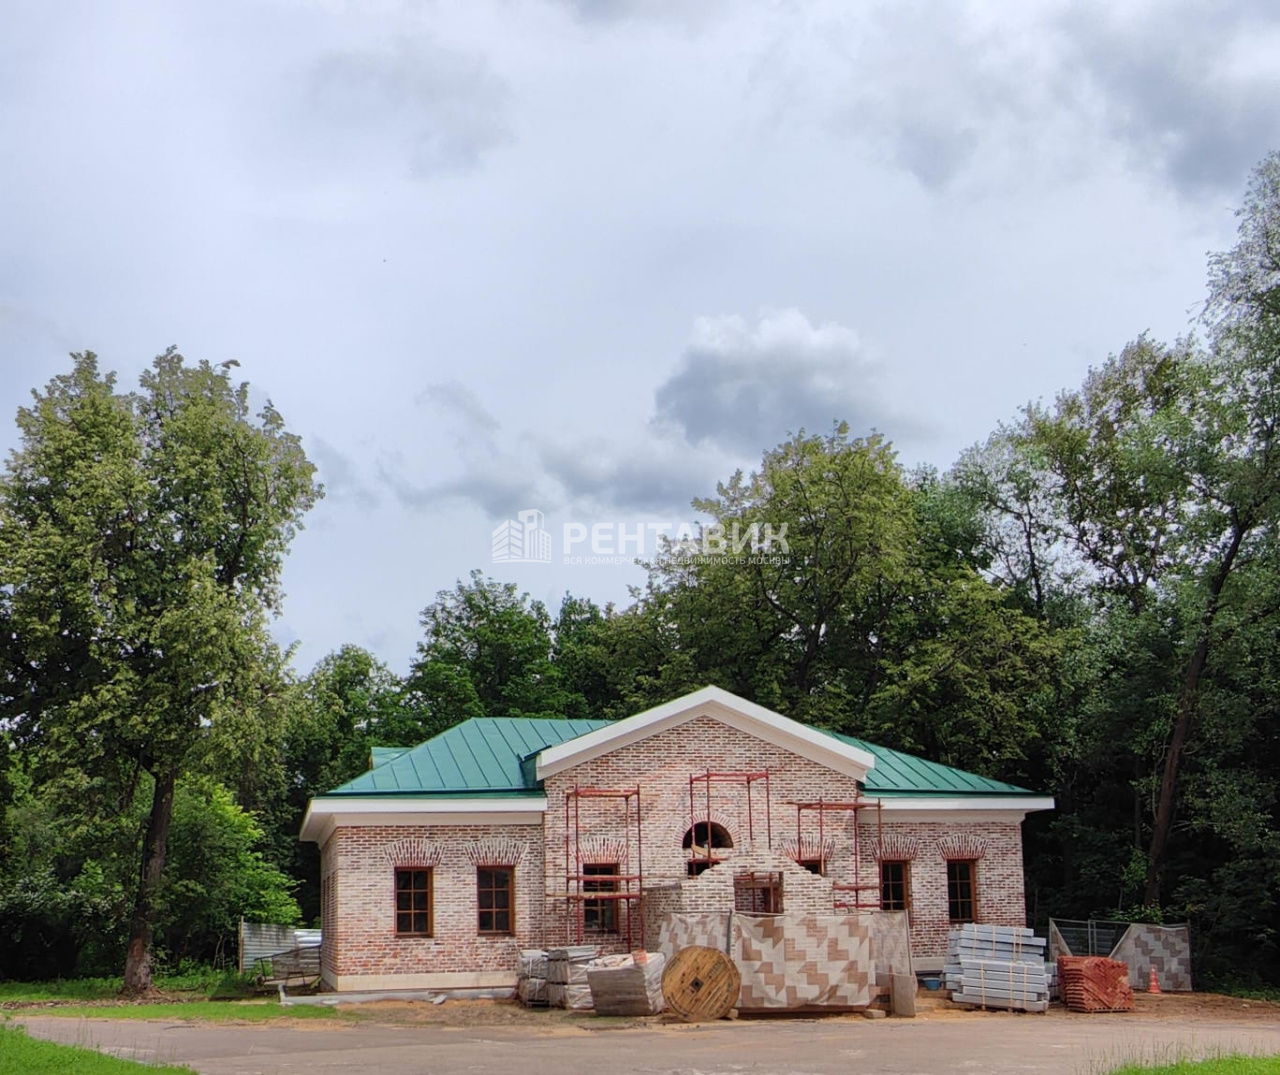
487,652
141,540
216,874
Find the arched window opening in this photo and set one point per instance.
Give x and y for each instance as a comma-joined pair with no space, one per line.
707,834
702,842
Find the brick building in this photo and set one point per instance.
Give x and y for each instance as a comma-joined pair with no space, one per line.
444,860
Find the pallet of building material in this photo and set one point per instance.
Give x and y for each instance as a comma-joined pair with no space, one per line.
532,992
1001,985
996,967
568,966
533,963
1002,949
1094,984
976,936
1009,1004
574,997
1034,973
988,931
575,953
622,985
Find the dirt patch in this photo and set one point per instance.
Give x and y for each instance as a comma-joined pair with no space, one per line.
1173,1007
465,1013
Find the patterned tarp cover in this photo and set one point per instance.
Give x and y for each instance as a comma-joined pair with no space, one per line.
891,942
1166,948
786,961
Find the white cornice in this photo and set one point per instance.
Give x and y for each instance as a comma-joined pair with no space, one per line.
346,811
1011,808
719,705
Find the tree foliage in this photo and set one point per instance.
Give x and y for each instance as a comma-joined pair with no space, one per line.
141,540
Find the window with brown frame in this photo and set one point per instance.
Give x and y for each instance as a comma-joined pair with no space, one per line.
758,893
600,914
495,898
895,886
962,885
413,902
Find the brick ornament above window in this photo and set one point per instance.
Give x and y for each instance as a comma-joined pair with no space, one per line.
602,849
895,847
808,849
962,846
496,851
414,853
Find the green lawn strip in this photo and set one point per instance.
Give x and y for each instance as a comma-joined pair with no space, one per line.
214,1011
21,1055
207,984
1222,1065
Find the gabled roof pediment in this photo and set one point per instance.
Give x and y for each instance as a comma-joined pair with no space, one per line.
719,705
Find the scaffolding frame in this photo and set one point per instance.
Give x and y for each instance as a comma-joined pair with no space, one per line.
821,807
747,779
628,894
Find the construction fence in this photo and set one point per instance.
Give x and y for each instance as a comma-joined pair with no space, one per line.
1139,945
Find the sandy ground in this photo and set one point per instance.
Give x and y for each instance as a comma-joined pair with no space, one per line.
409,1039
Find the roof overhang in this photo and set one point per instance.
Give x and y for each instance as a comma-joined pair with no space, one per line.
1011,808
324,814
720,705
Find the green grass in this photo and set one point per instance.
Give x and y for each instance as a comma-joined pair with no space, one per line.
21,1055
209,984
214,1011
1222,1065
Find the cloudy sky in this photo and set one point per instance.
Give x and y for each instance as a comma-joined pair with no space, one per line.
590,256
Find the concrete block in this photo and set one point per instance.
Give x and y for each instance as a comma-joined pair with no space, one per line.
903,995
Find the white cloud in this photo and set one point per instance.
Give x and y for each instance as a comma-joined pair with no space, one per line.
747,386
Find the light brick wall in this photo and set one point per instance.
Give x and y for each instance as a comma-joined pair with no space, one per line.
358,864
360,934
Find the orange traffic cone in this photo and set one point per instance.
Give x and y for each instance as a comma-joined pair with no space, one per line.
1153,986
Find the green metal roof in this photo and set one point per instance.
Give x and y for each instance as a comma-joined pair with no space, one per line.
479,756
381,755
493,755
896,773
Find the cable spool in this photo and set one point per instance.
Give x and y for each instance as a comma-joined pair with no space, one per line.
701,984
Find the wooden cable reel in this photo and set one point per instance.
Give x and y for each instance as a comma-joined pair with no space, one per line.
701,984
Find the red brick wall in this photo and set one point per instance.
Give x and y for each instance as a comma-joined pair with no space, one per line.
359,933
359,863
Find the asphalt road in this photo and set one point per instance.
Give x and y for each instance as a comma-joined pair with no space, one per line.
968,1043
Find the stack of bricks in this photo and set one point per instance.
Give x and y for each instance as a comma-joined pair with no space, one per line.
1094,984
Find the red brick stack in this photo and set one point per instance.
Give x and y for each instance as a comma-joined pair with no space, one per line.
1094,984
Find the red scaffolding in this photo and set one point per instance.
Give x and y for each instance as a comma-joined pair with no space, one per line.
627,890
747,779
821,807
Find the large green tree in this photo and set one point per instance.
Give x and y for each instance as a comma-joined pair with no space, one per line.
486,651
141,542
